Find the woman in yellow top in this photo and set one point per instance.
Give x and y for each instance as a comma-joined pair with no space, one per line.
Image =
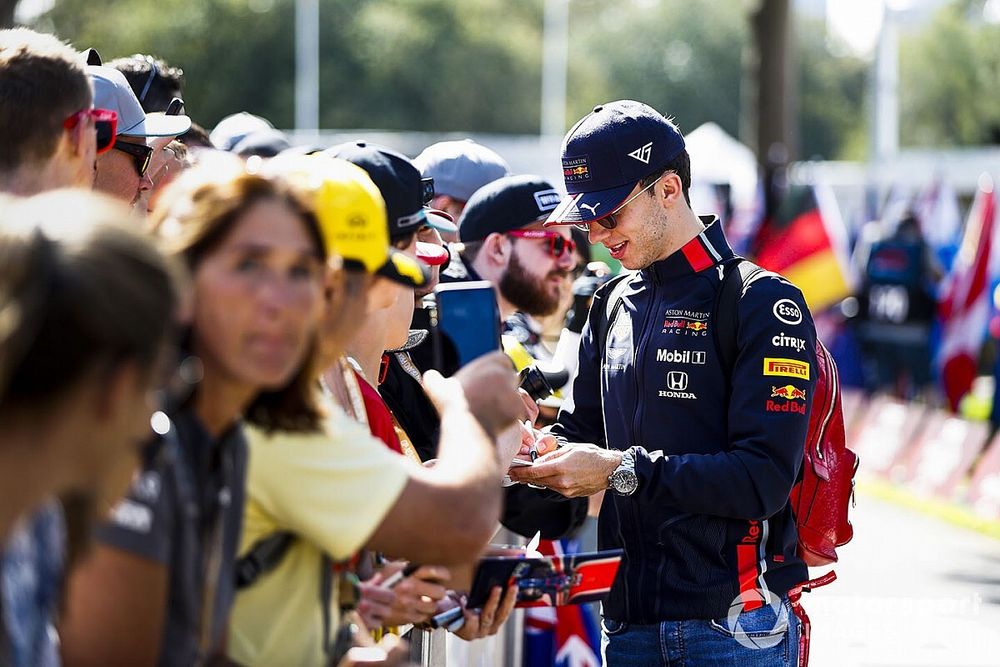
339,491
158,585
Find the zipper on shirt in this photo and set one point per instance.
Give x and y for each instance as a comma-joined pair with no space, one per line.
637,371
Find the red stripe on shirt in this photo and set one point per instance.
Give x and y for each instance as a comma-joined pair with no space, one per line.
746,561
696,255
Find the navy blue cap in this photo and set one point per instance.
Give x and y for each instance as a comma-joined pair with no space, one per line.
506,204
397,179
607,152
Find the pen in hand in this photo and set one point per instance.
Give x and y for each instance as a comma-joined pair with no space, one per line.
399,575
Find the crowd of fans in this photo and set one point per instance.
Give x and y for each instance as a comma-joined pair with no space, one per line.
223,438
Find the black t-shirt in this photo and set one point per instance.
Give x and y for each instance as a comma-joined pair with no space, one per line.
404,395
526,510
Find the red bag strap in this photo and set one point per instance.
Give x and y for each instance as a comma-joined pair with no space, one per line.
805,627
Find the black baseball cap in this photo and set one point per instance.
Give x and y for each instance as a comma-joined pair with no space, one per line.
607,152
506,204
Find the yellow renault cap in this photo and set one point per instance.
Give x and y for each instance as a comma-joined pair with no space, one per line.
351,215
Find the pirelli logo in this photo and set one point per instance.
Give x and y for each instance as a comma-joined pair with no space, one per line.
789,368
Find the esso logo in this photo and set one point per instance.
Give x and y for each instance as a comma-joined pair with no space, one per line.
786,311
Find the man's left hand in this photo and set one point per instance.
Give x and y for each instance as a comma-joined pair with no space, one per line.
574,470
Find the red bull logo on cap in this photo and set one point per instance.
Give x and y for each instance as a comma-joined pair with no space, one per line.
575,169
789,392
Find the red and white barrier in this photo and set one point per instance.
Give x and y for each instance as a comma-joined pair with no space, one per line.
940,459
885,433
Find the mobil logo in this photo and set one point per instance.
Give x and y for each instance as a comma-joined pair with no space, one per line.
696,357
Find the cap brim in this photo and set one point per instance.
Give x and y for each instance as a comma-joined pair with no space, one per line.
588,206
432,253
441,221
403,269
158,125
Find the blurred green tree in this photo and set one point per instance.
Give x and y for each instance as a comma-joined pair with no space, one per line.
236,54
682,57
949,78
462,66
433,65
832,97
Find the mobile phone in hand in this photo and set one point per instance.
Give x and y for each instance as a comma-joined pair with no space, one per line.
468,317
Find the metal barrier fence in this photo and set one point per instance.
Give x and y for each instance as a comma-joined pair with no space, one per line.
439,648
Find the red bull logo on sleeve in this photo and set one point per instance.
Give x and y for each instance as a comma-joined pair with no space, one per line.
791,404
789,392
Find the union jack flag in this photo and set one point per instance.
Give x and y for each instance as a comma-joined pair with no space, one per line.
566,636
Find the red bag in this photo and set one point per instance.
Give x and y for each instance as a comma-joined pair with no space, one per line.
823,497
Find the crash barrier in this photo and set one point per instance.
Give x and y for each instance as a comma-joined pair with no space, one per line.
439,648
931,454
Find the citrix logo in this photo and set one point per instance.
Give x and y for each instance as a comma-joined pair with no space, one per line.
781,340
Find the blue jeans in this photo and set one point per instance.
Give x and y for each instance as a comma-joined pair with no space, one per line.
764,637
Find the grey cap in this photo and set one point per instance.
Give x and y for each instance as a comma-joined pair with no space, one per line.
459,168
111,91
232,129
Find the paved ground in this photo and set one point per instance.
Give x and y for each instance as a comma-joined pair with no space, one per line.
913,591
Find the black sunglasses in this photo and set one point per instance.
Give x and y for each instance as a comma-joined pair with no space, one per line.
140,154
427,190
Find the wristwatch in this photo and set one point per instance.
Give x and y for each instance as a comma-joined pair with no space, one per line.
623,480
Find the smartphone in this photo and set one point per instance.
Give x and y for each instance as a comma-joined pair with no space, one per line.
468,319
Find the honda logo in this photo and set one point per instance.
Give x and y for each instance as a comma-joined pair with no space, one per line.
677,381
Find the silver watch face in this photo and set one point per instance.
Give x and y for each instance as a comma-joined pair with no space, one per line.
624,481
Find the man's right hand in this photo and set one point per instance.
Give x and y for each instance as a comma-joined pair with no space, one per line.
490,388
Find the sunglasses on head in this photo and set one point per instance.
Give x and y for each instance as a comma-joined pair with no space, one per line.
559,245
150,78
140,154
610,221
105,125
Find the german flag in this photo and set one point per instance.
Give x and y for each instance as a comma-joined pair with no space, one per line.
805,241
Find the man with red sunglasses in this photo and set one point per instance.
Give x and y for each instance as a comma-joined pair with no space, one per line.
504,243
48,140
124,171
48,131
